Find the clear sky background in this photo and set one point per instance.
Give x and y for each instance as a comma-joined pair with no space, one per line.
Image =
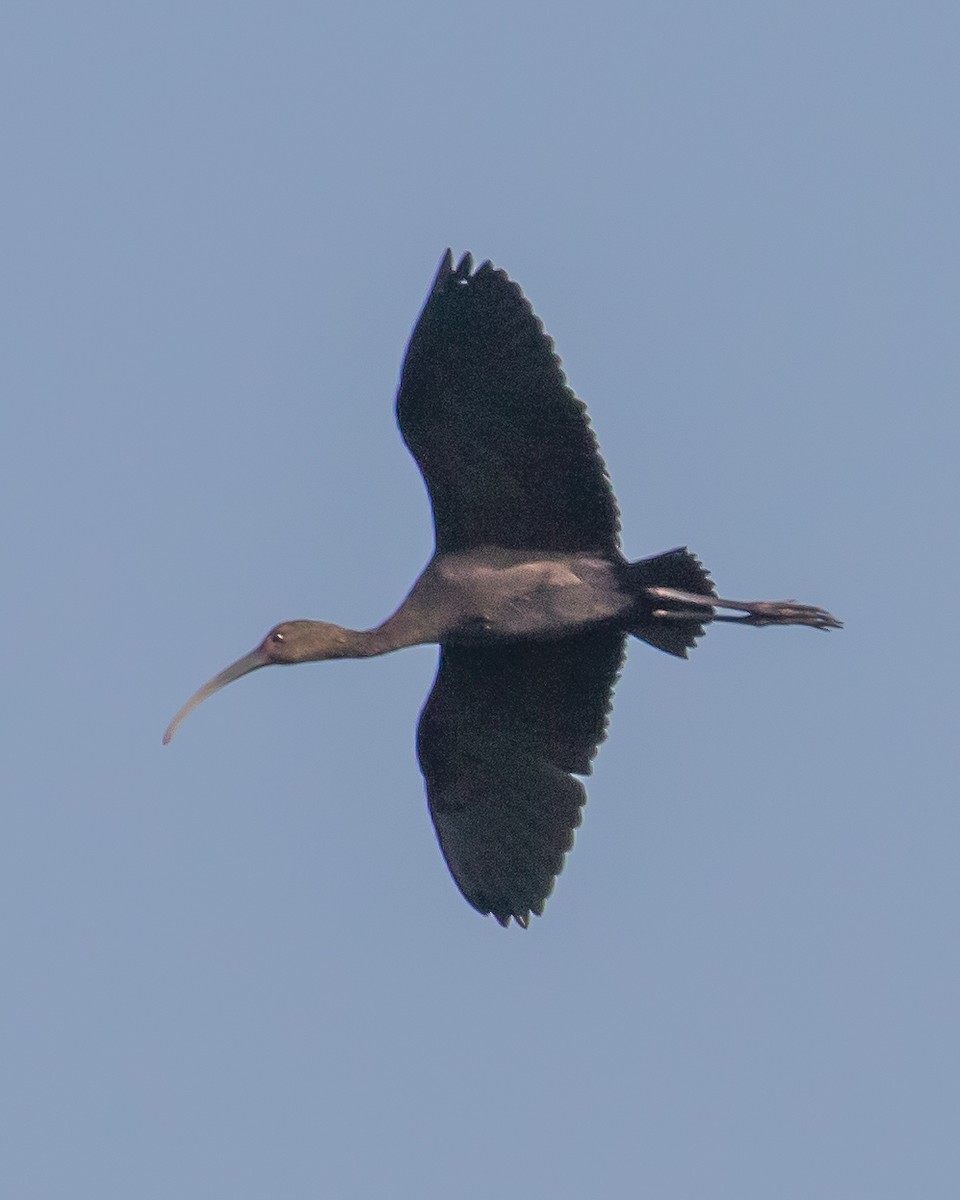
237,967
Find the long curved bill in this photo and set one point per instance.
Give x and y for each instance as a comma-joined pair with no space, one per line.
243,666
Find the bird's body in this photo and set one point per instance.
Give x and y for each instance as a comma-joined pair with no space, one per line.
491,594
528,595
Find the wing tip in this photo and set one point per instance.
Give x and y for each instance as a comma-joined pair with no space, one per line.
519,913
446,271
503,919
465,268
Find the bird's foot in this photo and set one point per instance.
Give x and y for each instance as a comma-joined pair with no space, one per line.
786,612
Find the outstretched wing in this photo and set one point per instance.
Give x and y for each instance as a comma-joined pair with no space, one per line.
504,445
503,731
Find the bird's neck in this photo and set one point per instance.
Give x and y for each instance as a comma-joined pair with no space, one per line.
367,643
370,643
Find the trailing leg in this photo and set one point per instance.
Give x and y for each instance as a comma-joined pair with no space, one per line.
676,599
755,612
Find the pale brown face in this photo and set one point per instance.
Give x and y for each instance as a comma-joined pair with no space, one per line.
280,643
301,641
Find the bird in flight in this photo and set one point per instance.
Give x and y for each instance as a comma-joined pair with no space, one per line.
528,593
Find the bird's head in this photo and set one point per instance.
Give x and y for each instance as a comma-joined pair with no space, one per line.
289,642
302,641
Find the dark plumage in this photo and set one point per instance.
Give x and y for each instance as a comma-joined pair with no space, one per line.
504,445
528,593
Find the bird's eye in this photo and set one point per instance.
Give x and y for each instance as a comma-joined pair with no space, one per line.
276,637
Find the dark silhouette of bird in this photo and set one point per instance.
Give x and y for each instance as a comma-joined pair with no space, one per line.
528,593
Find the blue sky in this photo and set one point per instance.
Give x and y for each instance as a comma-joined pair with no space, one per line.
237,967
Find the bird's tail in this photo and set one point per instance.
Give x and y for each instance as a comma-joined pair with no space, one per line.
676,569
